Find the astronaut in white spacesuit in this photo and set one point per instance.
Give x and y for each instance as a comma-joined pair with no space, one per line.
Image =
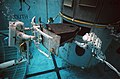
16,31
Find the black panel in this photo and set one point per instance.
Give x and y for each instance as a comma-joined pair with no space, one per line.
87,13
88,3
69,10
110,12
94,11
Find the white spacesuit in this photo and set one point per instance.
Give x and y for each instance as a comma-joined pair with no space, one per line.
18,38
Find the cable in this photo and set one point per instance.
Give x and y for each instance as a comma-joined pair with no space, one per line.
108,64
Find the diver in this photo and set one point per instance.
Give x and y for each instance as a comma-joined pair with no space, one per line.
22,39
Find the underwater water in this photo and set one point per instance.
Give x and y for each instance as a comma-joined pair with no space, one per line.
40,66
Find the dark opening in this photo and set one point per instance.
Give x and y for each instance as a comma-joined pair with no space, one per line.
84,30
80,51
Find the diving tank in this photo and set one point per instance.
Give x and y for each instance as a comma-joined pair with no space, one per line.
92,16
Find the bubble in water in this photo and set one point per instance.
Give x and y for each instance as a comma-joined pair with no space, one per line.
7,12
2,12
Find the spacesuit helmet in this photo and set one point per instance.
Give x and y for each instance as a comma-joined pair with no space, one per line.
19,26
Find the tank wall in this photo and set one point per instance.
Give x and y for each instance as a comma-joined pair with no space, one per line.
24,11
